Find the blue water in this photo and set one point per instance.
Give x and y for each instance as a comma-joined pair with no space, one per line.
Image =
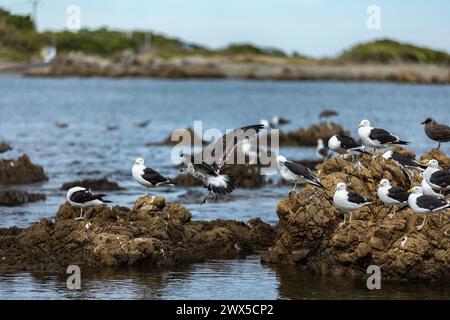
30,106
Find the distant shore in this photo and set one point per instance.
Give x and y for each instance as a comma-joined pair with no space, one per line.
220,67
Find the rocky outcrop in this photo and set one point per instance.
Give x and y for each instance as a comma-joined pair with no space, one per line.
309,232
11,198
4,147
309,136
151,233
20,171
169,142
245,176
95,184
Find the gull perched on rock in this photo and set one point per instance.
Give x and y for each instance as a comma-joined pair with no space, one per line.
80,197
425,205
377,138
403,160
147,177
436,131
345,145
437,178
322,151
392,196
208,167
348,201
296,173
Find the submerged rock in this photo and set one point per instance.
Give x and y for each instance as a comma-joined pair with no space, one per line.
20,171
152,233
12,198
95,184
309,136
4,147
309,234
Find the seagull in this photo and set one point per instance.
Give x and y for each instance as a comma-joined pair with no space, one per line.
61,125
348,201
80,197
437,178
142,124
345,145
403,160
207,169
392,196
297,173
147,177
429,191
377,138
322,151
423,204
253,151
326,113
278,121
436,131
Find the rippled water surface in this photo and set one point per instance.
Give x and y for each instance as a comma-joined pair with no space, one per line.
30,106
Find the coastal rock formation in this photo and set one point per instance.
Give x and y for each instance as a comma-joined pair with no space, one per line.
4,147
95,184
309,234
151,233
309,136
20,171
12,198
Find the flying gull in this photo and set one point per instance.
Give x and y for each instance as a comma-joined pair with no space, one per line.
147,177
392,196
296,173
437,178
425,205
207,169
377,138
345,145
322,151
80,197
436,131
348,201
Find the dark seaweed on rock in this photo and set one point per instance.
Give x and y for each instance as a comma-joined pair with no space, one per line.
11,198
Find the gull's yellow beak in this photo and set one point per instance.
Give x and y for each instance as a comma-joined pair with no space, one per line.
410,190
359,126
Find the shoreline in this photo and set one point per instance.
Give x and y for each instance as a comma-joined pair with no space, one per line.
199,67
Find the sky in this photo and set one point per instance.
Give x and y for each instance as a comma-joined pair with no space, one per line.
317,28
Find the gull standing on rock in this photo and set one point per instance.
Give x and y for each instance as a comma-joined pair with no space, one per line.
425,205
377,138
345,145
80,197
392,196
436,131
322,151
348,201
208,168
147,177
437,178
403,160
296,173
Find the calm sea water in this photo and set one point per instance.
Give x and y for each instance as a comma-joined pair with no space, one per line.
30,106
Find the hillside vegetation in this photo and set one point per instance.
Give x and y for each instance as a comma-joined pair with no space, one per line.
19,41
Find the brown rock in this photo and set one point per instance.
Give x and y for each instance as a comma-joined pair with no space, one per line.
20,171
309,136
95,184
12,198
4,147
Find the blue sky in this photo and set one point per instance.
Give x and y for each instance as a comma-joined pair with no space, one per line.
314,27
